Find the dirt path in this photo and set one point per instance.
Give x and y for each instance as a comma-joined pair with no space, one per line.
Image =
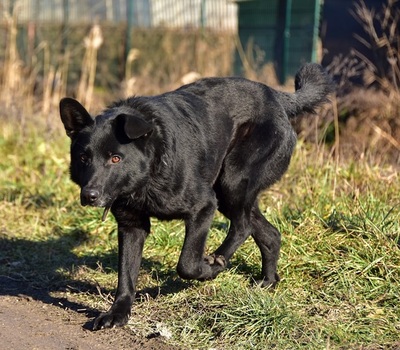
27,322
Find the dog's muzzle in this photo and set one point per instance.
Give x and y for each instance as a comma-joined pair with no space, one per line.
90,196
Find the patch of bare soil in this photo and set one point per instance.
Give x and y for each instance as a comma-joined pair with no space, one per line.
34,320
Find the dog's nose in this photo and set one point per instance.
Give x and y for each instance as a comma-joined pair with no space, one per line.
89,196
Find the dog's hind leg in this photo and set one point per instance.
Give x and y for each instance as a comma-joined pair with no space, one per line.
241,208
266,236
268,240
252,166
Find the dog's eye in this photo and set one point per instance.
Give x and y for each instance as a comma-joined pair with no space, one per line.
84,158
115,159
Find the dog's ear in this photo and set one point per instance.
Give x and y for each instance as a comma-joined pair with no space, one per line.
74,116
133,125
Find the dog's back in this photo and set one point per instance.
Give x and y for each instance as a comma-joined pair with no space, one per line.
246,97
239,122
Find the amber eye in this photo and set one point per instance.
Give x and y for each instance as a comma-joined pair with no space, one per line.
115,159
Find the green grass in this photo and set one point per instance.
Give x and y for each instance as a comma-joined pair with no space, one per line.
340,258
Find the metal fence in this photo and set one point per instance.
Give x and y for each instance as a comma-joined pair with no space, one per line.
212,14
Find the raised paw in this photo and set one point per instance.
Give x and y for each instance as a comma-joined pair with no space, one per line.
206,269
110,319
215,260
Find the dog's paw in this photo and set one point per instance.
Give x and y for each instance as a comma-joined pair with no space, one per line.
110,319
268,283
213,265
218,260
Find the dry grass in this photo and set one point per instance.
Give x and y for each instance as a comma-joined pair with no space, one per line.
13,76
363,121
29,89
92,44
382,31
162,58
94,66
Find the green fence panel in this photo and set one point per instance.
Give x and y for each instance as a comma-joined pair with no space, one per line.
285,30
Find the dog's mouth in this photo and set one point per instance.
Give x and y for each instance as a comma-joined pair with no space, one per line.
93,197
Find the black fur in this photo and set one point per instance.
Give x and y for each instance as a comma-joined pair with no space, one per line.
213,144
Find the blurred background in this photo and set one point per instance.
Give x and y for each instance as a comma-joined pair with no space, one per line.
98,51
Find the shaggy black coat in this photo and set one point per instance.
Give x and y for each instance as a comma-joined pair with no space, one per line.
213,144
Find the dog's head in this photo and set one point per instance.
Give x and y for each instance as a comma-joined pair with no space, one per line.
109,153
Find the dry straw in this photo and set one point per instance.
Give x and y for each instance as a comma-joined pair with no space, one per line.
382,29
12,71
92,44
28,88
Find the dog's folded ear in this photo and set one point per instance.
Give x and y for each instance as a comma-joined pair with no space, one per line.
74,116
133,126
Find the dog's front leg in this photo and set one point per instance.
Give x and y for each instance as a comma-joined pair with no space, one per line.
131,237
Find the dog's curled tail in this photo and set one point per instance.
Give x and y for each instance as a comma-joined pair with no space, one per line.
313,85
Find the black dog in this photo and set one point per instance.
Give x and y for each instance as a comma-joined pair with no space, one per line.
213,144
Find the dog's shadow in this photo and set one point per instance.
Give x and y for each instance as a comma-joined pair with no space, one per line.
36,269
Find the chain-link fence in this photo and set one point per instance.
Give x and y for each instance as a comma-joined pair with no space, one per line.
212,14
142,45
